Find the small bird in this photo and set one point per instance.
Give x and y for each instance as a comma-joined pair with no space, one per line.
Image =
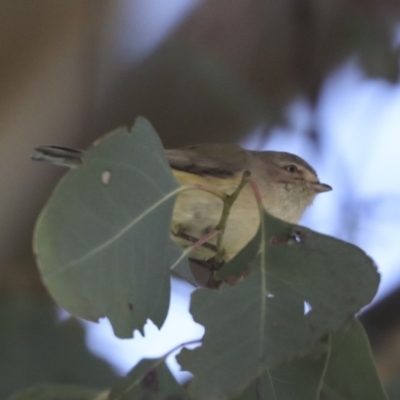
286,182
287,185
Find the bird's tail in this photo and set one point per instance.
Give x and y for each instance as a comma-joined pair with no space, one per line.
62,156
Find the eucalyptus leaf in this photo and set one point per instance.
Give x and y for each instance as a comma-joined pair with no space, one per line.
303,285
181,265
36,347
150,380
60,392
102,241
392,388
351,373
300,379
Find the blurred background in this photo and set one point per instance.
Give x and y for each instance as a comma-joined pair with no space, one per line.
317,78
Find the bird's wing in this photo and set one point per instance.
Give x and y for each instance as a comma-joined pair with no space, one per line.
217,159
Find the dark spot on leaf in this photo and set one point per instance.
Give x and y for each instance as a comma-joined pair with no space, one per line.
173,397
276,240
298,236
289,239
150,381
295,237
130,305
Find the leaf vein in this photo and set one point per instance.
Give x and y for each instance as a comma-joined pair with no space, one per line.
115,237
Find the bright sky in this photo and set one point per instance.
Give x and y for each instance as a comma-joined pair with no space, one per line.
359,122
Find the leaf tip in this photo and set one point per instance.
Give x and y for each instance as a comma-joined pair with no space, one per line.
141,121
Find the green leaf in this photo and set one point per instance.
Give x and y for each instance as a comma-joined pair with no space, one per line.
268,326
301,380
181,266
351,373
36,348
102,241
150,380
392,388
60,392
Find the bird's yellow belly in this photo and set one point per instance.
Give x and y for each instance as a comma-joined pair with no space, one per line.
197,213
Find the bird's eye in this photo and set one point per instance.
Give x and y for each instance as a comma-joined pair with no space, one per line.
291,168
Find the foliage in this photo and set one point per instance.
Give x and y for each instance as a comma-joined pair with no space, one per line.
150,379
36,348
95,240
60,392
102,246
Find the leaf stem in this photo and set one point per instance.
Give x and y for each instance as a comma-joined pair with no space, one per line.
246,178
256,192
322,386
204,239
228,203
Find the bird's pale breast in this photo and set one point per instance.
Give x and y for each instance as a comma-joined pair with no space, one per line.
197,212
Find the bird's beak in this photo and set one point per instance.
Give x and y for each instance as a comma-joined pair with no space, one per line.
321,187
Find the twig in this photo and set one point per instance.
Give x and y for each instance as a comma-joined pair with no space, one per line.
194,240
228,203
256,192
204,239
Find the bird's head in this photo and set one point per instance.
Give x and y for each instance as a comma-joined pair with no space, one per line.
294,183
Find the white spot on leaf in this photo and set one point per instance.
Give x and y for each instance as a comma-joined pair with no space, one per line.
105,177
